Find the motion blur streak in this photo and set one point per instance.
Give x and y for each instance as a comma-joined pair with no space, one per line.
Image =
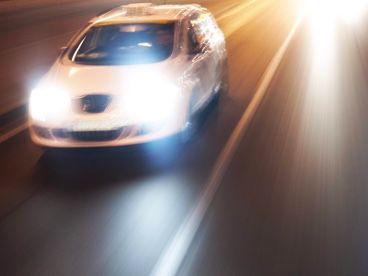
151,204
171,259
321,110
321,130
241,14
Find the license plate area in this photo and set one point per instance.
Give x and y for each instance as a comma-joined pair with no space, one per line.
96,125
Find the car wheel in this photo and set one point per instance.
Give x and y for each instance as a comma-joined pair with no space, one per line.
191,126
224,85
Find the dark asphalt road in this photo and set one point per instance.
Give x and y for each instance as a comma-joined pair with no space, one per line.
292,202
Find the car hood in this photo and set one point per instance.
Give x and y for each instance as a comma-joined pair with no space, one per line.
81,80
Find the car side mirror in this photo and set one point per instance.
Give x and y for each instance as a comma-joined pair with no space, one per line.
63,50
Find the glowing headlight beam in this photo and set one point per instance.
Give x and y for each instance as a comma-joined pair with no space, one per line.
49,103
152,99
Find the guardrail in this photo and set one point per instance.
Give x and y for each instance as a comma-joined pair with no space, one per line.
13,122
13,115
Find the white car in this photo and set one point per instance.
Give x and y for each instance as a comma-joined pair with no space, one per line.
137,73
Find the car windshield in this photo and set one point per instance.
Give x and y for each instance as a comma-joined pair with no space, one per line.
122,44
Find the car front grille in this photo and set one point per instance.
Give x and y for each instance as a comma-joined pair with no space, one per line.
96,136
87,136
96,103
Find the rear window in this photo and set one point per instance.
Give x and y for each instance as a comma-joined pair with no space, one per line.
123,44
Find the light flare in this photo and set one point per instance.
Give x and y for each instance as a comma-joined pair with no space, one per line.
150,98
49,103
349,11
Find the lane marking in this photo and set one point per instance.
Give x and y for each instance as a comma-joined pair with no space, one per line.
10,134
173,255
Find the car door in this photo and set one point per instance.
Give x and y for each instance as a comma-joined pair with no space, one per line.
209,32
202,62
219,54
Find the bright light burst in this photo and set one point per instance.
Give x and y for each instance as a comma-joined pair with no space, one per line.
324,17
350,11
321,130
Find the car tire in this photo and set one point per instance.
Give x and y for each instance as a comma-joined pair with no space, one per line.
224,85
191,126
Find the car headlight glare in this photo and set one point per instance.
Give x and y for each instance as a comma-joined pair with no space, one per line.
49,103
151,101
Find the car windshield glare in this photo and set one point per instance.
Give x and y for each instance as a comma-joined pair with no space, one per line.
123,44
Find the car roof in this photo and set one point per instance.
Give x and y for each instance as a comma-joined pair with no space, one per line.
147,13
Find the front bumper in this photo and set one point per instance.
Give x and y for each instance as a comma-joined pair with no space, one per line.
122,136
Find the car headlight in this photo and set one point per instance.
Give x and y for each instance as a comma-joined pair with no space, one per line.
151,100
49,103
